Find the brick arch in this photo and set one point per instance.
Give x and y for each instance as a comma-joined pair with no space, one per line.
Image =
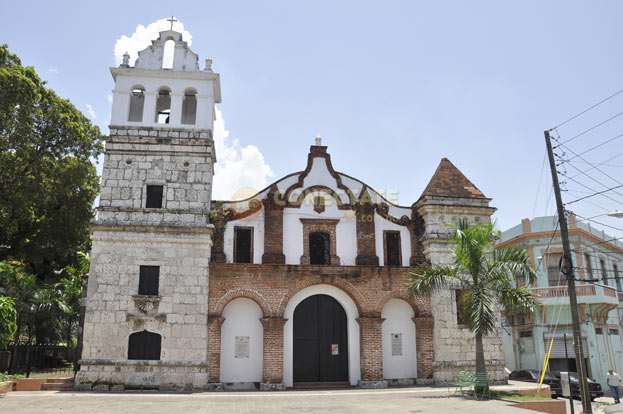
347,288
241,293
421,306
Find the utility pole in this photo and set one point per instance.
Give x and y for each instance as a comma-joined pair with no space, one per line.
567,270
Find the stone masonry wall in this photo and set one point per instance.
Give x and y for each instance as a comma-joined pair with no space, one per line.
454,344
181,162
112,313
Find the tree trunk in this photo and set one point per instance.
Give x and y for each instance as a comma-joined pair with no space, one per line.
15,342
480,355
481,368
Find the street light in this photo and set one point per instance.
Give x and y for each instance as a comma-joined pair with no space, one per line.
617,214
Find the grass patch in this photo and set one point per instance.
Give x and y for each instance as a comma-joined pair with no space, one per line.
506,395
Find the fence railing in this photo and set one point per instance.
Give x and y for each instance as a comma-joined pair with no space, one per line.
28,357
561,291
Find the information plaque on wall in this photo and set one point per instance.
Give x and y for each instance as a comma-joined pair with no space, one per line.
396,344
241,347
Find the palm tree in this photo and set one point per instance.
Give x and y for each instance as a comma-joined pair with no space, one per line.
488,277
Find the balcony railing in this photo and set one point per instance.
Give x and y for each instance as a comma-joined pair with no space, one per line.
561,291
608,291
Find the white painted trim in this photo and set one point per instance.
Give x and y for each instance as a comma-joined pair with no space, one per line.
354,369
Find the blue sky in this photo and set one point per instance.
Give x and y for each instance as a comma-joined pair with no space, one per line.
392,87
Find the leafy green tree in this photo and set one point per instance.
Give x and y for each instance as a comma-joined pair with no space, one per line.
8,320
489,278
48,180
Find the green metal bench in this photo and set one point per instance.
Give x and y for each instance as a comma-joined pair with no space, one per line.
465,381
481,385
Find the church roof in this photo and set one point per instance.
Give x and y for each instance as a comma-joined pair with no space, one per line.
448,181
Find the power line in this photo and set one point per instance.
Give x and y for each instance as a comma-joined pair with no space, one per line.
589,129
592,178
594,147
595,167
538,190
597,222
588,109
596,244
593,194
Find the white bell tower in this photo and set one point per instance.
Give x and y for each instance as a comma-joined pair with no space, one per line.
147,296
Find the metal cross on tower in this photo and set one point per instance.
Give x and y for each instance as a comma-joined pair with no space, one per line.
172,20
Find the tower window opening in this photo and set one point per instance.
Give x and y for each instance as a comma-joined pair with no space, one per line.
189,108
167,55
137,101
163,107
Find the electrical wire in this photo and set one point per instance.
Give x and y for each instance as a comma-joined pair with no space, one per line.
586,110
589,129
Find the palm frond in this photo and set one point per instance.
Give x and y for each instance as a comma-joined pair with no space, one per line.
480,310
426,279
519,301
511,265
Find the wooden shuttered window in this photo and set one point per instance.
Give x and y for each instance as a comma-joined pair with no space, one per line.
154,196
144,345
149,280
319,248
243,245
392,248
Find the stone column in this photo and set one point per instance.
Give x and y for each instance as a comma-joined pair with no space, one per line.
214,352
273,228
366,242
273,354
177,100
149,107
425,348
371,352
416,231
218,238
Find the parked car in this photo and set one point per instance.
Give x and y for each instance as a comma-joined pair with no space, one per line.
574,383
534,375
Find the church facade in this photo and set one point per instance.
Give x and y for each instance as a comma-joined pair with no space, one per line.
301,284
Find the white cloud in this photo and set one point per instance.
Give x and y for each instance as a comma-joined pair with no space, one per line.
142,37
90,111
236,167
53,70
109,98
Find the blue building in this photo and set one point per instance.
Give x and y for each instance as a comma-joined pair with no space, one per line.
597,260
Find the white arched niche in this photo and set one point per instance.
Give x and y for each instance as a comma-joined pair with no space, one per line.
354,369
242,324
398,330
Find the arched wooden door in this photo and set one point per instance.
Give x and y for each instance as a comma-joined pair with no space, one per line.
320,340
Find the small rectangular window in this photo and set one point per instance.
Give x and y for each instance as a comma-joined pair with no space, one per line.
613,331
604,271
460,320
599,331
588,266
615,270
154,196
243,245
525,334
149,280
392,248
554,275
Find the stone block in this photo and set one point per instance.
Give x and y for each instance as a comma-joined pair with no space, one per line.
268,386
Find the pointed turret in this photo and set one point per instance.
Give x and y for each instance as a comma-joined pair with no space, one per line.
448,181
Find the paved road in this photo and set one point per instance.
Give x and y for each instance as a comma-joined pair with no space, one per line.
392,401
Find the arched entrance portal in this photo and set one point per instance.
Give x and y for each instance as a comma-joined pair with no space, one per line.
320,340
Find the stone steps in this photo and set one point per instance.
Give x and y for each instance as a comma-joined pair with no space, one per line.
58,384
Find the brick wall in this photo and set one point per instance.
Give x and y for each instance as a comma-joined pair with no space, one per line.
272,287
